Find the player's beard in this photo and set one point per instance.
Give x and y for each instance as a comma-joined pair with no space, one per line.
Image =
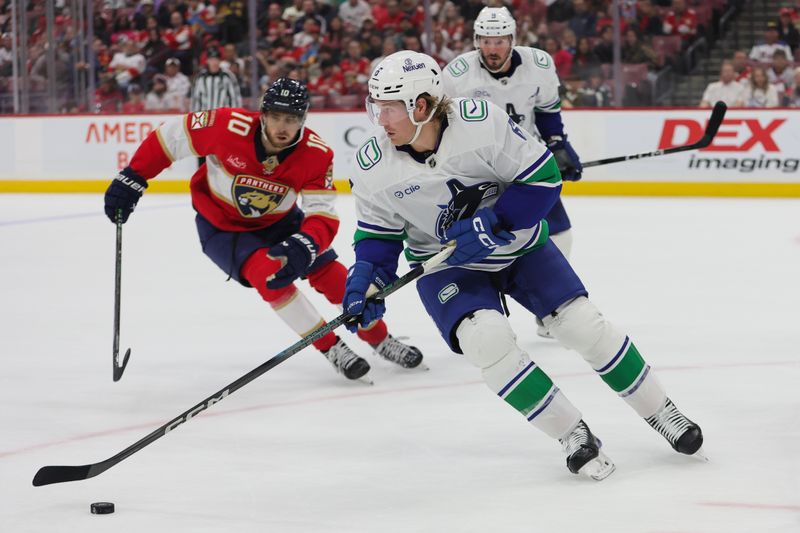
495,62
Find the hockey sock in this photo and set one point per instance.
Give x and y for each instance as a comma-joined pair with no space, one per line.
289,303
580,326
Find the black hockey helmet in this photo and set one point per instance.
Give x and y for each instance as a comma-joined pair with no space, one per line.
286,96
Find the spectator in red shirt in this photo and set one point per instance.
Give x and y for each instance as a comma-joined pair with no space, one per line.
561,58
179,38
108,98
681,21
356,62
389,18
330,80
413,13
135,103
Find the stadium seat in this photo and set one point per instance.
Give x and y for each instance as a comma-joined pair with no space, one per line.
634,73
318,101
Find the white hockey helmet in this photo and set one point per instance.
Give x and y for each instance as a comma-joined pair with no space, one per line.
494,22
404,76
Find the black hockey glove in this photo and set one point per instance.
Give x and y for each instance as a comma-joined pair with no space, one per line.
296,253
123,194
569,164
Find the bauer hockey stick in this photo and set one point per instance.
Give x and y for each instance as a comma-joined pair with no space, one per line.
714,122
59,474
119,368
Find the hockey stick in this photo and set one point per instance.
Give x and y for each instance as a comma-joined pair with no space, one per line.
714,122
59,474
118,368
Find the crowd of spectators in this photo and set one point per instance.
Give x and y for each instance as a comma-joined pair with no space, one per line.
146,53
767,76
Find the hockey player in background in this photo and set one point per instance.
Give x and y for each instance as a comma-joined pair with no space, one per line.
462,171
248,219
523,81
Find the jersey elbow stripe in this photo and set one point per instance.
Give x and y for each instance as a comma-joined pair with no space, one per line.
189,137
541,170
325,214
361,235
374,228
164,145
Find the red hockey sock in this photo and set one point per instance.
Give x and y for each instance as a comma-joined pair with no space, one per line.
375,334
329,281
325,342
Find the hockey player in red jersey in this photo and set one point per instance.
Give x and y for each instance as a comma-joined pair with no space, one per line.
248,220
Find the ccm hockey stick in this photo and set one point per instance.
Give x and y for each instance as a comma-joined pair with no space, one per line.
119,368
59,474
717,114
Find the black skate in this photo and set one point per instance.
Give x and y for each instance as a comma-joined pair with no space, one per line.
584,455
346,361
397,352
682,434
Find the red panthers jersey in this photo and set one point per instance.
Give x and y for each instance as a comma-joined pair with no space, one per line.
240,187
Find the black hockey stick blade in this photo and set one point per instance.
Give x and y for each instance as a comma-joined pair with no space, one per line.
48,475
714,122
120,368
57,474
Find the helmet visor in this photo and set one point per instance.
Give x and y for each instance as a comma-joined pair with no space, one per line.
386,112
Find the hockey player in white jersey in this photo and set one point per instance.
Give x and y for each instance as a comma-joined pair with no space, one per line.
461,171
523,81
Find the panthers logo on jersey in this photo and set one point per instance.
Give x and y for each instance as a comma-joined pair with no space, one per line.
256,197
464,202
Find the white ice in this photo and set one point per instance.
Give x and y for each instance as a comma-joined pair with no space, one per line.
708,289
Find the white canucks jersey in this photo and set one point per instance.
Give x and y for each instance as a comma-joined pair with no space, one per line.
532,86
480,154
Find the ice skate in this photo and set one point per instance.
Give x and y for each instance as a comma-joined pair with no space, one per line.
399,353
682,434
584,455
347,362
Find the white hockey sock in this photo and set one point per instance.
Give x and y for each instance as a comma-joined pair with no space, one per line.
298,313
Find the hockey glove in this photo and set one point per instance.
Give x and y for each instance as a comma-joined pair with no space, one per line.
569,164
475,237
296,254
359,278
123,194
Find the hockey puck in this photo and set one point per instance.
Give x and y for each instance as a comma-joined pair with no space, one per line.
102,508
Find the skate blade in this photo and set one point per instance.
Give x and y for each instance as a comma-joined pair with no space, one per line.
700,455
364,380
598,468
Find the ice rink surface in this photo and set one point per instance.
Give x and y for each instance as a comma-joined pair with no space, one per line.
708,290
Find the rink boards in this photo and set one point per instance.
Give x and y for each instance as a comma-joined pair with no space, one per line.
755,152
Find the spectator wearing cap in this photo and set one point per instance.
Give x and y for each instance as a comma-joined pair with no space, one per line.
178,84
308,34
135,103
681,21
763,52
727,89
127,65
787,31
157,99
354,12
214,87
310,11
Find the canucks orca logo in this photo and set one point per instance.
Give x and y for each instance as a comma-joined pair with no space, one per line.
464,202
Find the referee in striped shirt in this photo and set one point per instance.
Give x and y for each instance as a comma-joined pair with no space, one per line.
214,87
